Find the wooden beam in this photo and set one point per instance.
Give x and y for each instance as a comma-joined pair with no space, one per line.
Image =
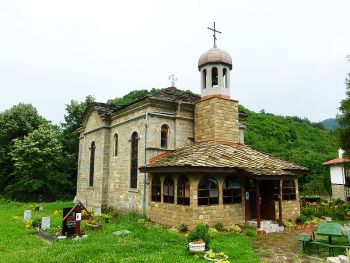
280,203
257,187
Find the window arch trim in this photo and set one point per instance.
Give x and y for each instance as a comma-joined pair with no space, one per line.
164,136
134,160
92,163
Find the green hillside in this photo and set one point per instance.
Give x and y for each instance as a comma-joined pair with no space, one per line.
297,140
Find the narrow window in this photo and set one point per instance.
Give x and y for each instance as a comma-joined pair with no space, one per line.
164,136
115,144
92,164
276,190
231,191
288,190
134,160
168,190
204,79
224,77
183,191
208,191
156,188
214,77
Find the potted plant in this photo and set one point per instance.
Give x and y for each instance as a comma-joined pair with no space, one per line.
216,257
199,238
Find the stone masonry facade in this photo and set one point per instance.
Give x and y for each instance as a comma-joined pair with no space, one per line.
111,188
214,117
339,191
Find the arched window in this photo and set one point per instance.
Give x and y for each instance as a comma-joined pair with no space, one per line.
115,144
288,190
183,191
168,190
204,79
156,189
214,77
164,133
231,191
224,78
208,191
92,164
134,160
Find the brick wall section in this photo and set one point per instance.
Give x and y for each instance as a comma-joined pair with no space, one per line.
216,119
338,191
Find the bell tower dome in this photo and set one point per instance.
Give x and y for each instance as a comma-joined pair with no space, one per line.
214,67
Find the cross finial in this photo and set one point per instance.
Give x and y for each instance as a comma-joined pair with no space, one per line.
214,35
173,78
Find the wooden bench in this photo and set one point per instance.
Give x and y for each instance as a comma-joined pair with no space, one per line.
305,239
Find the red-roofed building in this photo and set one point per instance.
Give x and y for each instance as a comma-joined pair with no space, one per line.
340,176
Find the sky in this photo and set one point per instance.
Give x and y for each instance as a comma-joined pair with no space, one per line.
289,56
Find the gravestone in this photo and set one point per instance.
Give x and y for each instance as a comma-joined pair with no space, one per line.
27,215
97,210
72,217
45,222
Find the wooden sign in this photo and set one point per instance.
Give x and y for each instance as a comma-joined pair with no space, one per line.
71,219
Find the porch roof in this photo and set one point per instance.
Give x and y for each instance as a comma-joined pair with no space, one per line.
224,156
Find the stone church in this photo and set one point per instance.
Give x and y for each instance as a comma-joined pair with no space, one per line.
179,158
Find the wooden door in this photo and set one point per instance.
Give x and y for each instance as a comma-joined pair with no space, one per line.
267,207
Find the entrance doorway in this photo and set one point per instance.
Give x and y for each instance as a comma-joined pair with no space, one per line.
267,202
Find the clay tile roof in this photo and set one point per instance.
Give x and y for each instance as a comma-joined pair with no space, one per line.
226,155
337,161
174,94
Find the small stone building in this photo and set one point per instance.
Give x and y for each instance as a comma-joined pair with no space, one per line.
179,158
340,176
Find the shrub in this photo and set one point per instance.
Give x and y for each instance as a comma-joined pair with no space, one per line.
173,230
250,232
200,233
233,229
220,226
182,227
213,232
301,219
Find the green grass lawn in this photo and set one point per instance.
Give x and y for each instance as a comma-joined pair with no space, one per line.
144,244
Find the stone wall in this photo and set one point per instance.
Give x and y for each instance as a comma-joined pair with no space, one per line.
112,173
95,195
290,209
338,191
175,215
216,119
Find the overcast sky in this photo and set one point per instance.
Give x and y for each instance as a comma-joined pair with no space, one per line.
289,57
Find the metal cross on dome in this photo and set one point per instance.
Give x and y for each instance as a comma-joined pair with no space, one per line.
173,78
215,31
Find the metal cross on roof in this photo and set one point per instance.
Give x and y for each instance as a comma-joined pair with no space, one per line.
214,35
173,78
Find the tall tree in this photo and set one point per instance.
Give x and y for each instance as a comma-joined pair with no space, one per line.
344,118
38,167
70,136
16,122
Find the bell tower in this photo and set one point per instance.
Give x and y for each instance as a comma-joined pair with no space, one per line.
216,115
214,67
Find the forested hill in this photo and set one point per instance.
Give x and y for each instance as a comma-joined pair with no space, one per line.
297,140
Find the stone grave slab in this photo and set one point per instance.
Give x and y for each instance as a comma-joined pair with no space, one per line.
45,222
27,215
